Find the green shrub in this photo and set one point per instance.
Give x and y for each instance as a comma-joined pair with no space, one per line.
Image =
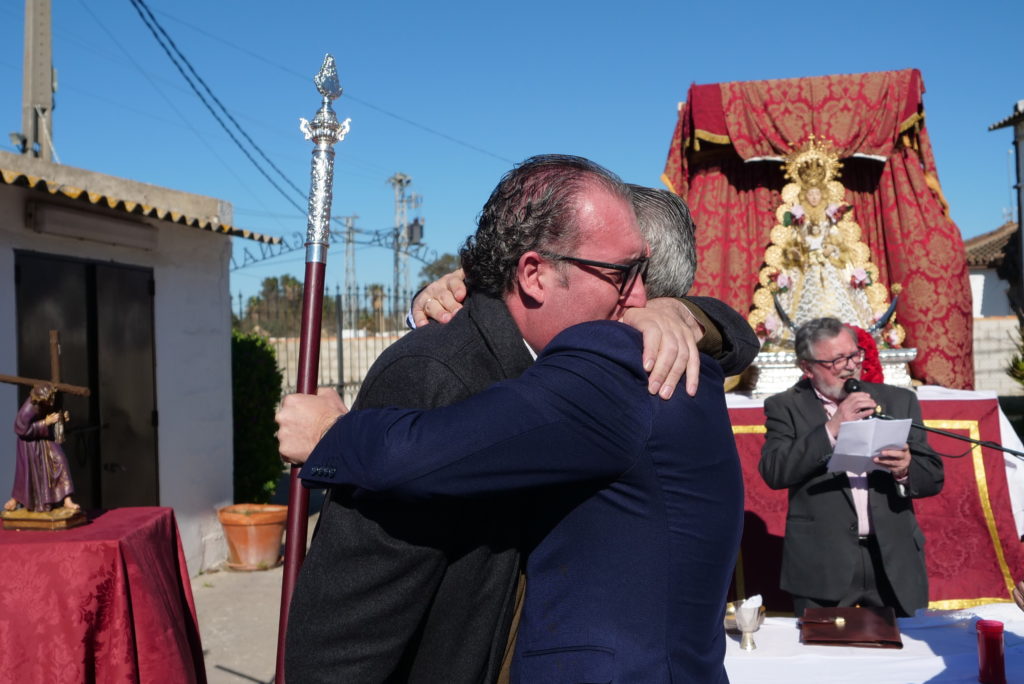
256,390
1015,368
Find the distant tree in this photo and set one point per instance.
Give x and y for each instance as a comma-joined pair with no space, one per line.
371,318
1015,368
444,264
277,309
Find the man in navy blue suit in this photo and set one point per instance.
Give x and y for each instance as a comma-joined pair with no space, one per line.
636,508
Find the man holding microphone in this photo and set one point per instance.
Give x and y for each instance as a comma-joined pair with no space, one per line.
851,538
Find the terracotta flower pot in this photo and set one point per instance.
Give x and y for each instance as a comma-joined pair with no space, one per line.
254,533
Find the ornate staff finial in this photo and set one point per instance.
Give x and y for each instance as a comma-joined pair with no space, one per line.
327,79
324,130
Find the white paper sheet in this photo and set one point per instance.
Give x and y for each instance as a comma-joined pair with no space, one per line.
860,440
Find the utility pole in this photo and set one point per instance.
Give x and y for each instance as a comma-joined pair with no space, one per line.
350,251
39,84
400,182
351,297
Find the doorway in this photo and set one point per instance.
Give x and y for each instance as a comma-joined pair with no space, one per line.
104,314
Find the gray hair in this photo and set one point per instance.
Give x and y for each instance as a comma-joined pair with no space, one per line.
816,330
533,207
666,224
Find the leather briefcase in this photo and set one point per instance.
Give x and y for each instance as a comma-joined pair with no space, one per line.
862,626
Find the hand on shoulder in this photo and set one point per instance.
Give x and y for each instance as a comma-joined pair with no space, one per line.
670,335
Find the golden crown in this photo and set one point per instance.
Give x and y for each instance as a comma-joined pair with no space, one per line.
813,163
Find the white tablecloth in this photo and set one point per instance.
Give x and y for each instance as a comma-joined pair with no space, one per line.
938,646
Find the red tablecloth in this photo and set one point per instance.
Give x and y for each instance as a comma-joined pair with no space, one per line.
109,601
972,550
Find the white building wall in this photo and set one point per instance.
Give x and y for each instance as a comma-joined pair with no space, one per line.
192,335
192,338
995,333
993,348
988,292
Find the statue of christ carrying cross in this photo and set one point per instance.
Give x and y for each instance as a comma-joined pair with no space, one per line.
42,478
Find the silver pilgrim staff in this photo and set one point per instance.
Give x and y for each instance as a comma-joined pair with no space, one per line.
324,130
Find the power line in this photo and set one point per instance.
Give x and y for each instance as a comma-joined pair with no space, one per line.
156,31
170,103
154,27
220,104
222,41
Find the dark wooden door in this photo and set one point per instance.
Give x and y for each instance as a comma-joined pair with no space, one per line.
104,313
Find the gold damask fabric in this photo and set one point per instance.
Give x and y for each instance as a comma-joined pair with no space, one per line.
897,202
858,113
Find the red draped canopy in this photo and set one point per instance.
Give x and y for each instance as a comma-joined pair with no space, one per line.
876,121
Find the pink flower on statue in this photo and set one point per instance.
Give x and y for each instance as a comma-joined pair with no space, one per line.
892,337
783,282
859,278
798,214
836,212
768,327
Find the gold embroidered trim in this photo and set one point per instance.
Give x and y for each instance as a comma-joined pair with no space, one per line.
749,429
668,183
701,134
911,121
932,181
739,576
978,462
960,604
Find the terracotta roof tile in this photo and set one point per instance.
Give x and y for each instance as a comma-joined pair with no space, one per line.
12,177
987,250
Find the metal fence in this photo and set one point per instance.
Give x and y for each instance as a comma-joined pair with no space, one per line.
357,325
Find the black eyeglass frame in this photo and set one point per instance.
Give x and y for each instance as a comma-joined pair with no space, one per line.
630,272
861,352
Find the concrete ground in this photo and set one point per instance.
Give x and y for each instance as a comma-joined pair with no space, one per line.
238,614
238,618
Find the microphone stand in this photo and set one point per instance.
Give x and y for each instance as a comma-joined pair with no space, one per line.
944,433
853,385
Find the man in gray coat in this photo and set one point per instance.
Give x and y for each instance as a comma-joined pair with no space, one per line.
851,539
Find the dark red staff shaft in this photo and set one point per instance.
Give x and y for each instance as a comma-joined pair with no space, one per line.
298,496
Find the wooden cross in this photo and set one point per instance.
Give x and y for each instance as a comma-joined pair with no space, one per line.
54,372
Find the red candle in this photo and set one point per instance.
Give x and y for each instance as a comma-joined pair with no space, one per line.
990,652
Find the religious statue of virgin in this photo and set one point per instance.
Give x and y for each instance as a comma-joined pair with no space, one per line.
816,264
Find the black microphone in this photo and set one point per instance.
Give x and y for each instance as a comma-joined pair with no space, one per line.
853,385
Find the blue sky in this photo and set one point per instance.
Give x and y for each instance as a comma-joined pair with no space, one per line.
453,93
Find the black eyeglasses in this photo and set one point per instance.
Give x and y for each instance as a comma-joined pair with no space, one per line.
630,272
856,358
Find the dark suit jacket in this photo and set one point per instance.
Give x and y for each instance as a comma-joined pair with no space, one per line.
638,505
820,547
414,592
422,593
